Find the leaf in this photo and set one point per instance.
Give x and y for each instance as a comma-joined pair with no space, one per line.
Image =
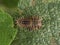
50,13
9,3
7,32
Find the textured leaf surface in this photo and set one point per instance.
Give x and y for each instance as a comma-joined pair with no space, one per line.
7,32
49,34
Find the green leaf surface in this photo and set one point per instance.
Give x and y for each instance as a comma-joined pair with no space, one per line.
49,34
7,32
9,3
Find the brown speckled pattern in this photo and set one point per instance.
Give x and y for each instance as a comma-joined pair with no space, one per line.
33,22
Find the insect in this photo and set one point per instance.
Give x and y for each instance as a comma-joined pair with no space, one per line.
30,22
